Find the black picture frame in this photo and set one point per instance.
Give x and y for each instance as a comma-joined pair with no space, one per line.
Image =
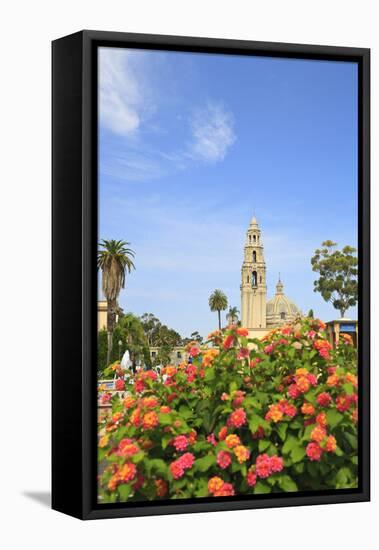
74,294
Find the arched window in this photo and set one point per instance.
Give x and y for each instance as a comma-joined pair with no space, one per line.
254,238
249,239
254,278
283,315
254,256
247,280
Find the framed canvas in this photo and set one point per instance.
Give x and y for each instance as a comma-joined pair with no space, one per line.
211,278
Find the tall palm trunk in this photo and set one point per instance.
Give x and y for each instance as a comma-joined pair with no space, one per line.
111,321
109,346
219,319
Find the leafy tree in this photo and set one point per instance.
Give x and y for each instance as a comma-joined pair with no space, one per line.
233,315
131,333
338,271
164,355
102,351
159,334
218,302
114,259
150,325
310,314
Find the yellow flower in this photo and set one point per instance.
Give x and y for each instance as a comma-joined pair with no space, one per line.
103,441
232,440
242,453
301,372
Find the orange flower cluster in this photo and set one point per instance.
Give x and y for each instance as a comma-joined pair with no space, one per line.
125,473
219,488
150,439
323,347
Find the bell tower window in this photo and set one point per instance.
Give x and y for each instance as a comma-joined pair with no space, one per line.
254,238
254,278
254,256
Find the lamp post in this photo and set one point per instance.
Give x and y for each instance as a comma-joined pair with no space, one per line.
119,349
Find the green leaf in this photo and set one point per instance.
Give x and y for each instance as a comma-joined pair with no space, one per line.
311,396
287,484
297,453
333,418
348,388
203,464
158,466
343,476
138,457
263,444
210,374
261,488
281,429
165,419
185,411
307,432
202,489
289,444
351,439
233,386
124,491
166,440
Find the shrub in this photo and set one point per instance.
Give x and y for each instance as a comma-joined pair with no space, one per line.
246,416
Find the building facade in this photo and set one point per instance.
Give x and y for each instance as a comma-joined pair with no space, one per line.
258,314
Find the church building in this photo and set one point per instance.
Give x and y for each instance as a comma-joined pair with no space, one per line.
258,314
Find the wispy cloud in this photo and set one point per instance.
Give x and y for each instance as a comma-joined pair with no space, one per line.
212,132
122,100
132,166
130,106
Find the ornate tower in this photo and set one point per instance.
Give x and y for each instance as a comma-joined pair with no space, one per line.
253,283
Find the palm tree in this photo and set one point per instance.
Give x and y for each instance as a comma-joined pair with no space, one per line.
114,259
233,315
218,302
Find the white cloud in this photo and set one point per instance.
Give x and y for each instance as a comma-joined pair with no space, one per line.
121,98
132,166
128,98
212,132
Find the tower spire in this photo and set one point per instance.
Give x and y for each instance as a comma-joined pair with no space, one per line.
279,286
253,279
253,222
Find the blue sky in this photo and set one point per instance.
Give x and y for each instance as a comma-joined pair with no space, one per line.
191,145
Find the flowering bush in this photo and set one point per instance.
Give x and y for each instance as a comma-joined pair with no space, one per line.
245,416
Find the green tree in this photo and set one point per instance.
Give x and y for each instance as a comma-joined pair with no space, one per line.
114,259
102,351
218,302
310,314
151,326
129,330
338,271
233,315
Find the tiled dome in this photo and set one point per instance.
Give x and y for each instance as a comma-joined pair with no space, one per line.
280,309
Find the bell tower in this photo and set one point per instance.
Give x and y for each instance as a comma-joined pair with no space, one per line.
253,280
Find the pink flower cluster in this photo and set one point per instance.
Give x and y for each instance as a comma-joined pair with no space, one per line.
266,465
237,418
178,467
180,442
